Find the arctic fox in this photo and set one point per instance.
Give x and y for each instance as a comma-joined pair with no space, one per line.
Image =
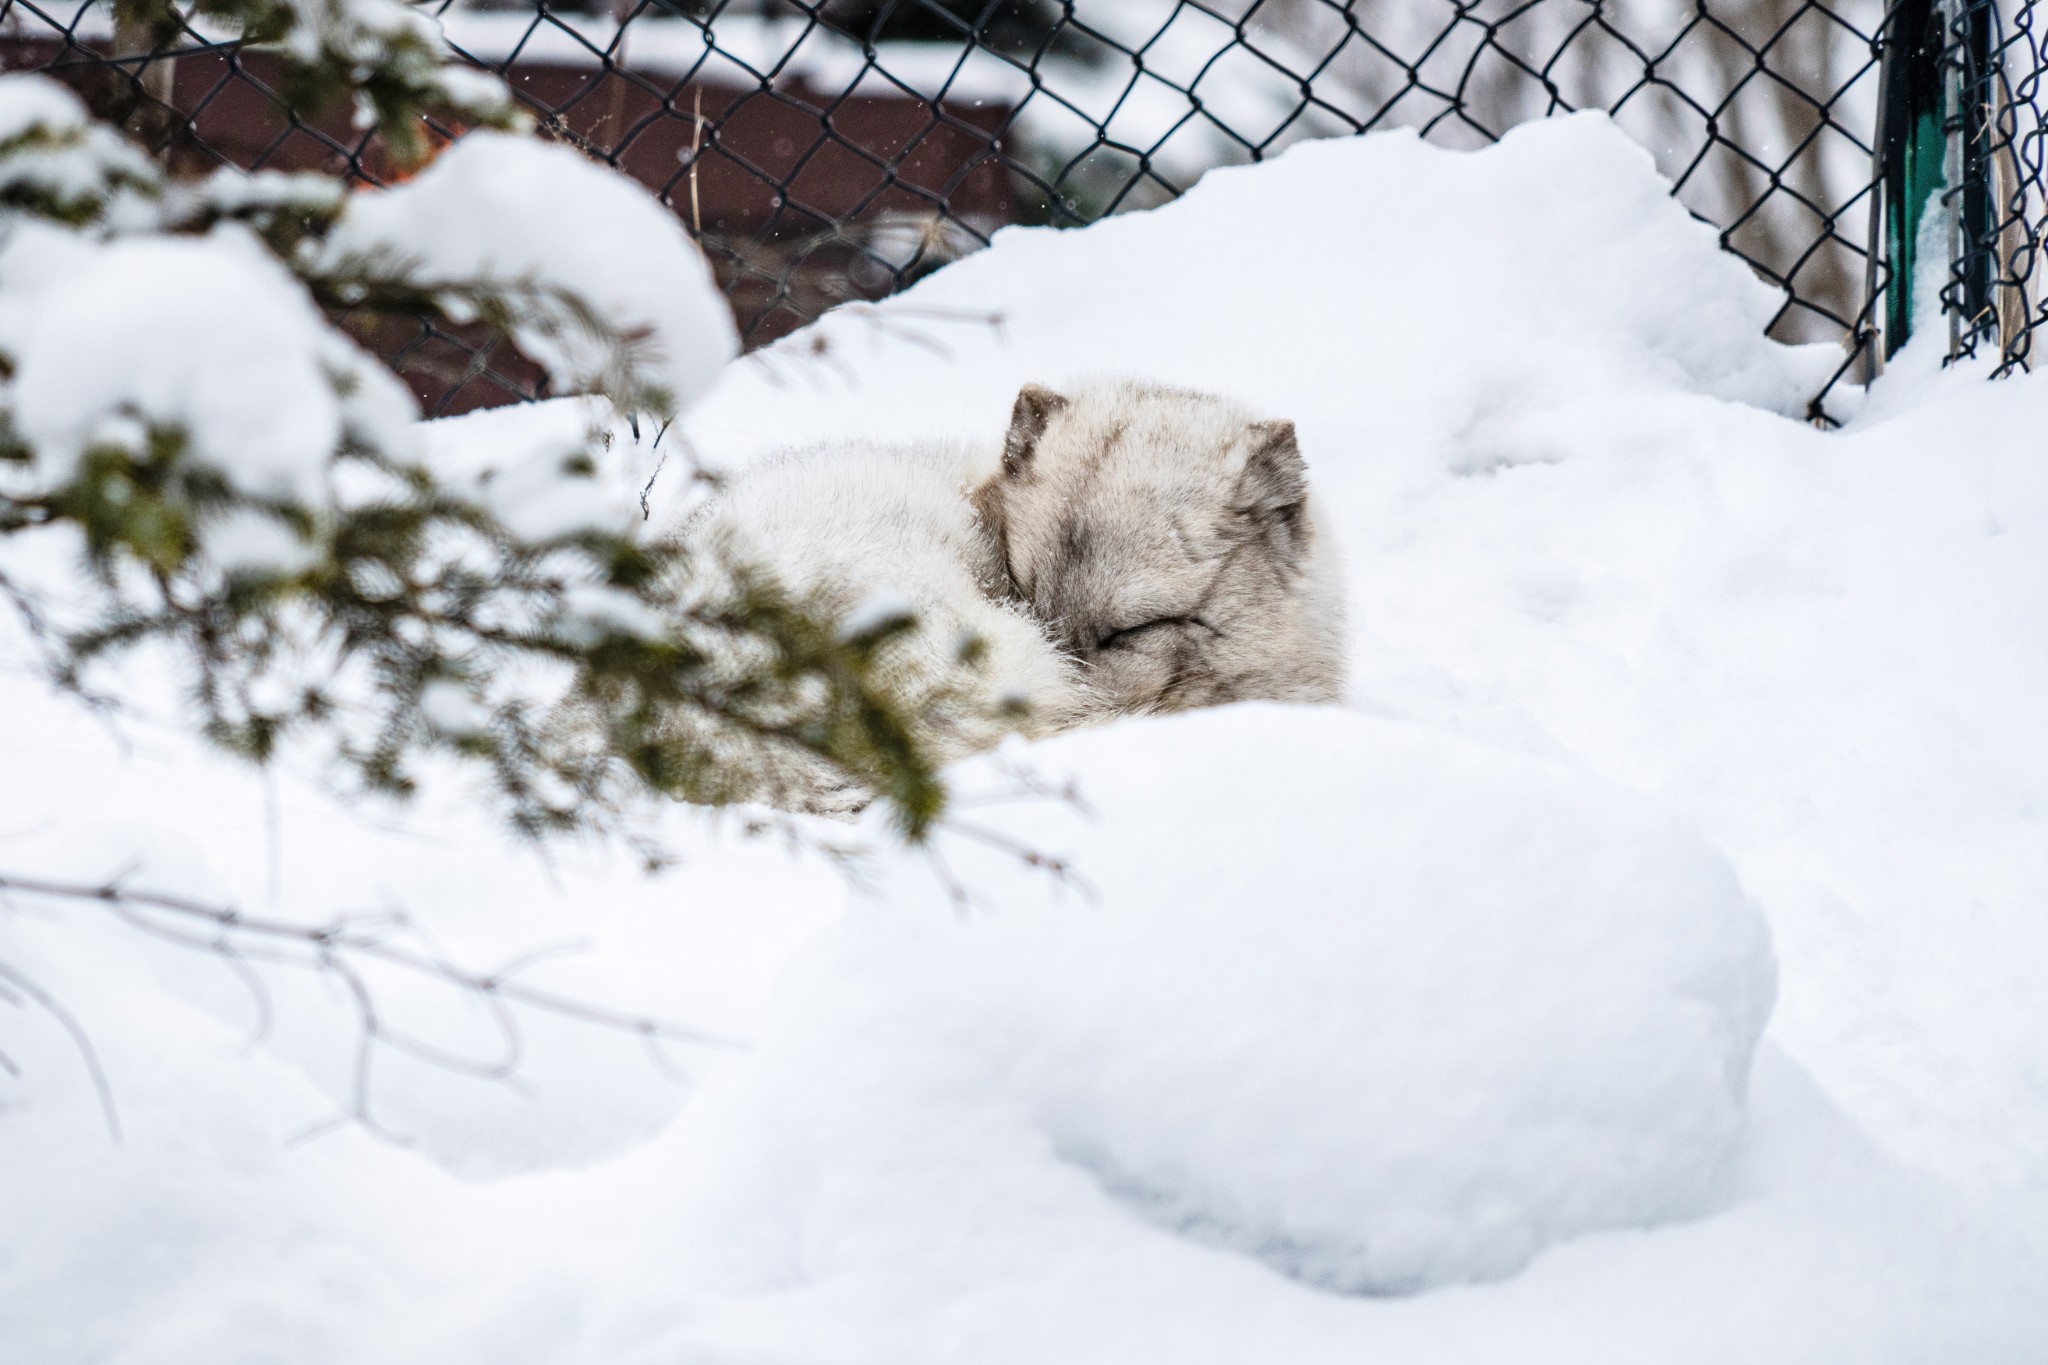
1165,539
1132,548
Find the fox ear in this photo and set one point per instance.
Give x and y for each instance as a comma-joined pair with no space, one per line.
1274,489
1035,408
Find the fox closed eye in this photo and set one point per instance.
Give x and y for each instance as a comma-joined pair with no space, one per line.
1116,639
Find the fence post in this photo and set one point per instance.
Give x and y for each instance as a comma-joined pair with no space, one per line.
1911,147
1937,89
1976,262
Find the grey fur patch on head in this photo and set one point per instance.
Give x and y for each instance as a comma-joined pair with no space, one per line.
1166,539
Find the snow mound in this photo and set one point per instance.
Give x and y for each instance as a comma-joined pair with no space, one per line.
518,212
1403,303
1383,1008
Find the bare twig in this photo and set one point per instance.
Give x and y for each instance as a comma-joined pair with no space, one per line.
1061,871
338,937
50,1005
230,956
338,950
949,882
1024,784
888,321
25,607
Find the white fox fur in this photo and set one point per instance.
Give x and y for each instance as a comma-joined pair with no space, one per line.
857,525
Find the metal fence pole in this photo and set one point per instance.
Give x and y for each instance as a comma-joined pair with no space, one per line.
1911,150
1940,149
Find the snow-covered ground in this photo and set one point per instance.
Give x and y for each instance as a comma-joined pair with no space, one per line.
1417,1030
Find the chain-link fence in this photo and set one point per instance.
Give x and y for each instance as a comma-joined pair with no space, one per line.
840,149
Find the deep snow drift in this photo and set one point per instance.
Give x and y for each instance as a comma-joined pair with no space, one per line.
1422,1009
1446,1000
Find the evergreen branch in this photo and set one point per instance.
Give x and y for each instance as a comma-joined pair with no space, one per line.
386,57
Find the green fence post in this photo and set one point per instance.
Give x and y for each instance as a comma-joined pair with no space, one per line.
1937,88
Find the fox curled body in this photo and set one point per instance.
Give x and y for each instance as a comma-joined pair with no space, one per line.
1129,548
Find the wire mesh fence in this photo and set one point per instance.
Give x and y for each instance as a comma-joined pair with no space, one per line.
839,150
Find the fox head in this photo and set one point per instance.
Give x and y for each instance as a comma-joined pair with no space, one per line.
1164,538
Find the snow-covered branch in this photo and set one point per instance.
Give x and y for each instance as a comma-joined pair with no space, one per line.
384,59
246,484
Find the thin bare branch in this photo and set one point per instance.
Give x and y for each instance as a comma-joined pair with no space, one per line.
338,951
53,1007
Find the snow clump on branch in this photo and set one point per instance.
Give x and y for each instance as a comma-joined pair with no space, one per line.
57,163
599,257
156,338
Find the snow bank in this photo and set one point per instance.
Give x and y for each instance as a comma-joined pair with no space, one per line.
1399,1012
517,212
1406,302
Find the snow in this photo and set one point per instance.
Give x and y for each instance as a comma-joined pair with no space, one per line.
1403,1013
174,333
31,102
56,155
356,30
592,612
232,191
521,213
450,708
241,540
1579,514
1459,337
1454,986
527,467
354,35
741,51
